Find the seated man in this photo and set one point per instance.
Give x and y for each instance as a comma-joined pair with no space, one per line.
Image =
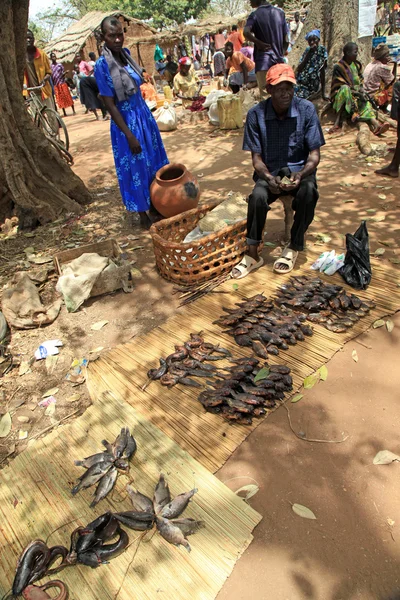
284,136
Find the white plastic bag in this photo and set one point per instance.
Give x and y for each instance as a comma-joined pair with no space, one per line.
213,97
165,118
213,113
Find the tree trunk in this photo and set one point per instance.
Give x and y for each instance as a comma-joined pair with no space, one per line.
33,177
338,22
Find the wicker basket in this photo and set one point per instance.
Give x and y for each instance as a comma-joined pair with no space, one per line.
199,260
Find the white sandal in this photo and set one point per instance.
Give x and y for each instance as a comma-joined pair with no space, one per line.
246,266
288,258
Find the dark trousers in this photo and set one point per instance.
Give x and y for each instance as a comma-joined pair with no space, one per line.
305,198
394,113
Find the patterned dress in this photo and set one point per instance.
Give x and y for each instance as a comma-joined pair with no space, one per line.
61,89
346,82
309,80
135,172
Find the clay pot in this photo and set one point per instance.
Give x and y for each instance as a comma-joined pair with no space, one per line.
33,592
174,190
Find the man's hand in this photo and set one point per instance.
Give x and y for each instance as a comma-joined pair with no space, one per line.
262,46
274,184
295,179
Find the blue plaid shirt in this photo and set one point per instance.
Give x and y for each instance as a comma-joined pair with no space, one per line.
286,142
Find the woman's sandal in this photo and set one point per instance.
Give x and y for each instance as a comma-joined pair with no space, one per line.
382,129
246,266
287,258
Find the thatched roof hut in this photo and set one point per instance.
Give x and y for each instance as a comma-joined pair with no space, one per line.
80,37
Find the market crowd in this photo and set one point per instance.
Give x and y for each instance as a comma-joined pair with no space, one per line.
282,131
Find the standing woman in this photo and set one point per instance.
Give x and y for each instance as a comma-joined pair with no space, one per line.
61,89
310,74
136,142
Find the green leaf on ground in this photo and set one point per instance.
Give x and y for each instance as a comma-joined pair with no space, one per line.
379,251
395,261
297,398
51,392
378,323
323,373
303,511
235,287
262,374
311,380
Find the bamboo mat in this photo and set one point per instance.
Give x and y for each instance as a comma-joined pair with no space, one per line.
35,500
208,437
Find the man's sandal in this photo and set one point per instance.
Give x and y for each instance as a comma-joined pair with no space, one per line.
246,266
287,258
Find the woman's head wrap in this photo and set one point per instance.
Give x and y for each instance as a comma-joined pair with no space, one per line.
313,33
381,51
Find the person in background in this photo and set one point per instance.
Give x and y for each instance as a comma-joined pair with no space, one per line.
147,89
379,76
136,141
160,66
76,78
61,89
219,63
171,69
347,93
284,137
84,68
392,170
92,61
219,40
158,54
186,82
38,71
239,69
266,29
310,73
236,38
296,27
247,50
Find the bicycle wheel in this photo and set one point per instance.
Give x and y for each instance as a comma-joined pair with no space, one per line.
53,126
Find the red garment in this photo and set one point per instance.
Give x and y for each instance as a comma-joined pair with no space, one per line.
219,40
237,40
63,96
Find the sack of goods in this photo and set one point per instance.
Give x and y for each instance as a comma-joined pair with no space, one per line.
165,118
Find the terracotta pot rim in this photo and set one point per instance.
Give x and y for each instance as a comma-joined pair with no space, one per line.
168,182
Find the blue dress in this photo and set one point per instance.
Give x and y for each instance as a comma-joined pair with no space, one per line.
135,172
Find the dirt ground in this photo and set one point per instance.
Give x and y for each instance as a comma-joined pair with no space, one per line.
351,550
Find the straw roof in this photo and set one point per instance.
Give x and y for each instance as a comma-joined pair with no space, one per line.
74,38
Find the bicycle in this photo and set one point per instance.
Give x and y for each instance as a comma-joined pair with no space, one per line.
50,123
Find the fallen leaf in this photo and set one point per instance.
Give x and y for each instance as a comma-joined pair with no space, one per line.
24,368
30,235
316,218
378,323
333,223
235,287
384,243
385,457
73,398
262,374
348,201
50,392
97,326
379,251
311,380
382,196
324,238
389,325
303,511
50,410
354,355
98,349
390,522
50,363
378,219
40,260
271,244
365,174
22,435
136,248
249,491
395,261
297,398
5,425
323,373
371,210
29,250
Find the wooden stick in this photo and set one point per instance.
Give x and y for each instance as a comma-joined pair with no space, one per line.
305,439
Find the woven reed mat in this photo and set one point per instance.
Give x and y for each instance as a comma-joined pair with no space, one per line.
208,437
35,500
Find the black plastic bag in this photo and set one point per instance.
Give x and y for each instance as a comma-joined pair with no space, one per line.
356,270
